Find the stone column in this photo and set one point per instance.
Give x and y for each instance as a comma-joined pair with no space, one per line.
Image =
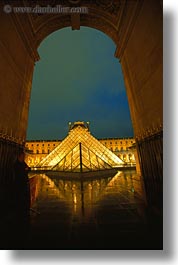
17,56
141,56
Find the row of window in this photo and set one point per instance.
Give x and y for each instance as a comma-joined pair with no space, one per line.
32,145
43,152
38,145
126,142
116,150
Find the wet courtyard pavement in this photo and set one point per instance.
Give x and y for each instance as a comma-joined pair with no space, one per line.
103,213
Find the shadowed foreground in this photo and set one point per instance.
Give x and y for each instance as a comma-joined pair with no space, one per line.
105,213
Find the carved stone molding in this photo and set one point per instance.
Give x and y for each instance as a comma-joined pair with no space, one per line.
51,25
126,25
28,39
149,132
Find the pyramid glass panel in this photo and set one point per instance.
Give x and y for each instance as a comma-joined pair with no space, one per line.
79,152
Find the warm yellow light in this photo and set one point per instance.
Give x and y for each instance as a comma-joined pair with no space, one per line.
75,199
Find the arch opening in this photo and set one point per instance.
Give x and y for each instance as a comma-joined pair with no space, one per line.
87,86
78,76
136,28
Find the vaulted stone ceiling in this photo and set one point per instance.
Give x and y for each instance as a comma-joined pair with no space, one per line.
115,18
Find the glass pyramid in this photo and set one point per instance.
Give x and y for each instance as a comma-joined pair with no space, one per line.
80,152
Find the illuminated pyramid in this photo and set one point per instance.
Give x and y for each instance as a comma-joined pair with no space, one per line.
80,152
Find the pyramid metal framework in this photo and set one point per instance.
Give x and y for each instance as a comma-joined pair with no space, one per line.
80,152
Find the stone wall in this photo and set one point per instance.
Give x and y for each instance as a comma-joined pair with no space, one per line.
135,27
142,64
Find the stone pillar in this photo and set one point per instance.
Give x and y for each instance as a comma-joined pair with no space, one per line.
17,56
150,150
138,169
141,55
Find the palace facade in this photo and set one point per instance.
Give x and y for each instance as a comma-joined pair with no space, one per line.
124,148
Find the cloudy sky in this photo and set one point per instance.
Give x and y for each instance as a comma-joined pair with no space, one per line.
78,79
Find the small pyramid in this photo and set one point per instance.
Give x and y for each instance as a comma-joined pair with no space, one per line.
80,152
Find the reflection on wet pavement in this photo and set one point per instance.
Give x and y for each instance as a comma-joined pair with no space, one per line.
104,213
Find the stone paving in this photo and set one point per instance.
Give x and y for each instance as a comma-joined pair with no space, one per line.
107,213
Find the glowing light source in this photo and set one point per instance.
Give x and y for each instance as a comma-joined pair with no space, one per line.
80,151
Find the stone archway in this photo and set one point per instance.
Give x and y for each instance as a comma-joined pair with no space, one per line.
135,27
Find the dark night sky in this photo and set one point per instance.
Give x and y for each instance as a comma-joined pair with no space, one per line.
78,79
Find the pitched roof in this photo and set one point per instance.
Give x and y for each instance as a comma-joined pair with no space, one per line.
80,151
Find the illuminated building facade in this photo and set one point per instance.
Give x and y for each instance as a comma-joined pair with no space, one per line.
80,151
38,150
